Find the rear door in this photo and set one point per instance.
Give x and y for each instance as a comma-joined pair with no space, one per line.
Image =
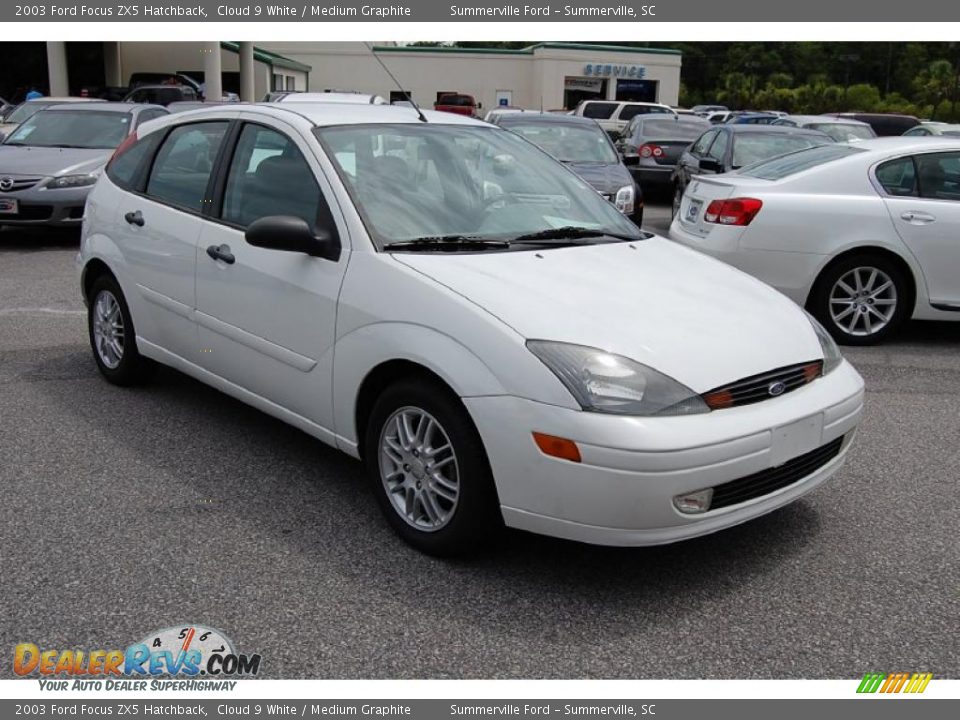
922,194
266,319
160,224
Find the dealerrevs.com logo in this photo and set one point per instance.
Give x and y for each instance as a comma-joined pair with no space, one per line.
187,652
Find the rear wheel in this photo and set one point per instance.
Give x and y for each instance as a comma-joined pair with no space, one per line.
429,470
112,337
862,300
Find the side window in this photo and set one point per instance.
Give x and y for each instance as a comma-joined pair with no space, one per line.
269,176
127,165
718,151
939,175
898,177
183,164
599,110
700,146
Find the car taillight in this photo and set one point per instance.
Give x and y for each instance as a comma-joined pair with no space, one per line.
734,211
650,150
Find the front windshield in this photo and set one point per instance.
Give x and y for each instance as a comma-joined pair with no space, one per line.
750,148
567,142
844,132
412,181
24,111
73,129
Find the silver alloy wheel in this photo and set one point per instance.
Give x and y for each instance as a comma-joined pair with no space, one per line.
418,468
863,301
108,329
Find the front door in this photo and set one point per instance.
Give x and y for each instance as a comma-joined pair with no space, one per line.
267,318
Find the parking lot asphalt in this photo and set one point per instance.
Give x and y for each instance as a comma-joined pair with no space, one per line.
129,510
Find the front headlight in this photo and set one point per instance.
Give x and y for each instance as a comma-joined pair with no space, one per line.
608,383
625,199
72,181
831,353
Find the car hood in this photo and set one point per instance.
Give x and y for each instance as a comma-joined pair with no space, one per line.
44,161
690,316
606,179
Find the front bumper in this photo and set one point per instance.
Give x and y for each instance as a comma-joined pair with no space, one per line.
622,492
42,207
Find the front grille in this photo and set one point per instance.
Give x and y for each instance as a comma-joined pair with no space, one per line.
773,479
763,386
17,183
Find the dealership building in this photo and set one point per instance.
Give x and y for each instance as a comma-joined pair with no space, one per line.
551,75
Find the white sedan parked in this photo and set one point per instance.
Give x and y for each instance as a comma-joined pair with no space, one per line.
447,302
864,235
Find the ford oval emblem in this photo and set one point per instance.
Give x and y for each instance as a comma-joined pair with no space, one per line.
776,388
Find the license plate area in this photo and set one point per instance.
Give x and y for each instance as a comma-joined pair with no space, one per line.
795,439
692,212
9,206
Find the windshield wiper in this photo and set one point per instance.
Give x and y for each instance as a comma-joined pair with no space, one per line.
446,243
569,234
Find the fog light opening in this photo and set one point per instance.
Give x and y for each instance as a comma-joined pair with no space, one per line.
694,503
557,447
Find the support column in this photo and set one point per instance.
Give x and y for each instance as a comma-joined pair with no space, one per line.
212,72
247,93
57,69
112,70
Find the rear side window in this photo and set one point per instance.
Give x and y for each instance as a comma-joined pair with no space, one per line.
127,166
898,177
183,164
599,110
939,175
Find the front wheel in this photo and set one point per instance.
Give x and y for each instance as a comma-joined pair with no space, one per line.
861,300
429,470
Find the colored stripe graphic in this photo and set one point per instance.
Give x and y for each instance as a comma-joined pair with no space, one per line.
894,683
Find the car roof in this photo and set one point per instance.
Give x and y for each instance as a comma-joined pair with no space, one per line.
333,97
907,144
328,114
769,129
825,119
116,107
64,99
511,118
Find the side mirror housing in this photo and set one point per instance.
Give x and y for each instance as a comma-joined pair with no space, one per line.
293,234
711,165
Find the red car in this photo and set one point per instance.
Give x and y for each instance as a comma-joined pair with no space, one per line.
457,103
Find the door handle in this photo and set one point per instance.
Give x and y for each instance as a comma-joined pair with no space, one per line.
917,218
221,252
134,218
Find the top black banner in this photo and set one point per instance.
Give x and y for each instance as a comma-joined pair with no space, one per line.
484,11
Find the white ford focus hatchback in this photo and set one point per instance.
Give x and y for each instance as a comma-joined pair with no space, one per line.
443,300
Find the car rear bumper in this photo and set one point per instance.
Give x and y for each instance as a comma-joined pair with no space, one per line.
622,492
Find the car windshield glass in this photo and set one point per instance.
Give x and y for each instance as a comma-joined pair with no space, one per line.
795,162
754,147
413,181
666,129
73,128
844,132
24,111
566,141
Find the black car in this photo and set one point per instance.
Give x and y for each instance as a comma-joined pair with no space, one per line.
162,94
729,147
583,145
883,124
652,144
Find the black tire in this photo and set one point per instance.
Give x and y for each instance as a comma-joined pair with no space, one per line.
900,292
475,517
131,368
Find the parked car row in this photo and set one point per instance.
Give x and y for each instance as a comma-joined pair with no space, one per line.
466,315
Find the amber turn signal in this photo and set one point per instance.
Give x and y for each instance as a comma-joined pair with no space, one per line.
557,447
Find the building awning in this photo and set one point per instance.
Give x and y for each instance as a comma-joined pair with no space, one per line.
269,58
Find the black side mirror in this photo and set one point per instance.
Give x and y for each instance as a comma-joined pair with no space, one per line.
711,165
632,159
293,234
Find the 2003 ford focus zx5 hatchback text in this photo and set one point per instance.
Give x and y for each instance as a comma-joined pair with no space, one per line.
443,300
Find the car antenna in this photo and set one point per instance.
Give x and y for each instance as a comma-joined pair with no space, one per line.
423,118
